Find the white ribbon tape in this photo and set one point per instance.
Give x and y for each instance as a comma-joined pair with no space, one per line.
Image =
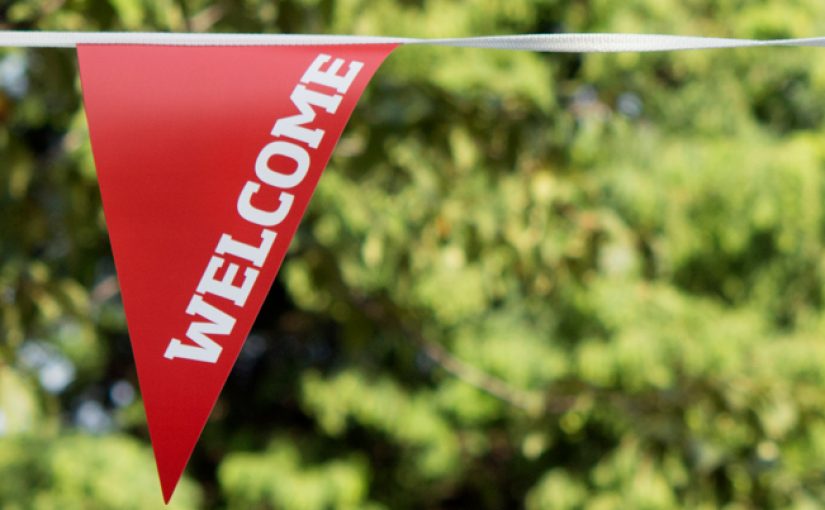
559,43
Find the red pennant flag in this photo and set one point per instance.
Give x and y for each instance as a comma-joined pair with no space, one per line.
207,158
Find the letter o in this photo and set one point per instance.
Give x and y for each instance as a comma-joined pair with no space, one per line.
275,178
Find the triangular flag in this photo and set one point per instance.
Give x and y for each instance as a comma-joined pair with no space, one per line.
206,159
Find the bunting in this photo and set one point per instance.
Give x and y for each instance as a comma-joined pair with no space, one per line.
208,148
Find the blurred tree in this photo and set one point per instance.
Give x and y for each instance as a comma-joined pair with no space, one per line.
543,281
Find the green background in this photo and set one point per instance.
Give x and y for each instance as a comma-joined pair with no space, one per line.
525,280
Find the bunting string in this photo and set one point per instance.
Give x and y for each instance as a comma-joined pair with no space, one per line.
551,43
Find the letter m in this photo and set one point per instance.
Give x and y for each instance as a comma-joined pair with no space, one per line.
294,127
205,349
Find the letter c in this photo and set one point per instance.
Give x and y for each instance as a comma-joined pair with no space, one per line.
260,216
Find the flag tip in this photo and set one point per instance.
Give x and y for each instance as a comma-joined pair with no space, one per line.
170,472
167,487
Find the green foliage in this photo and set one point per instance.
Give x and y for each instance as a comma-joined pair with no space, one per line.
277,478
544,281
81,472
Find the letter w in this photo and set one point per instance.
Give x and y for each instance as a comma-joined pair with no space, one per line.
206,350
